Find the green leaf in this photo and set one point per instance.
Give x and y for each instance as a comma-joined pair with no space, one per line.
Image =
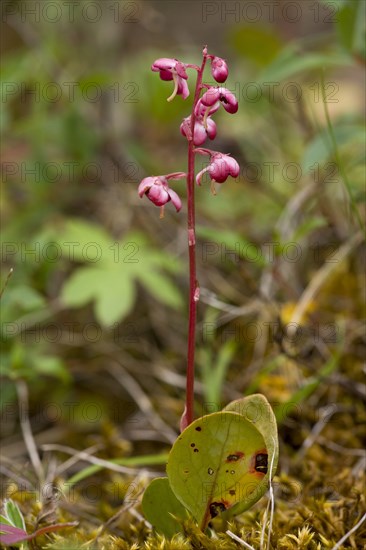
116,299
51,365
230,245
83,286
321,149
257,410
350,26
24,297
82,241
161,288
110,281
218,463
161,507
307,227
112,290
13,513
5,520
214,371
292,61
283,410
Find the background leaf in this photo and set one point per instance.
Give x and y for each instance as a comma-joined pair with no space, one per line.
13,513
292,61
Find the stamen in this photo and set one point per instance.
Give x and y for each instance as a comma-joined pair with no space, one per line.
213,189
204,122
161,212
175,78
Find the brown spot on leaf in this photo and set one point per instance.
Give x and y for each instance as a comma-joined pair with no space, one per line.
261,463
234,457
195,450
216,508
198,429
193,444
232,492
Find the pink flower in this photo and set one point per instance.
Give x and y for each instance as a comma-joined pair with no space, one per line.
156,189
202,129
219,69
172,69
222,95
220,168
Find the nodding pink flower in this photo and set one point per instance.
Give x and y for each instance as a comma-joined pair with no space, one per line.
222,95
220,168
172,69
203,128
156,189
219,69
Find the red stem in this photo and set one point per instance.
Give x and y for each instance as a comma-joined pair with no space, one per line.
188,414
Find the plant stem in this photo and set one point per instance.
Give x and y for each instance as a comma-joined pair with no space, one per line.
188,414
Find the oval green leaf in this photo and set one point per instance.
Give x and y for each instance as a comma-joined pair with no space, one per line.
219,462
161,507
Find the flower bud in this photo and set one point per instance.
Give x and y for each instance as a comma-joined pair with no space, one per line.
219,69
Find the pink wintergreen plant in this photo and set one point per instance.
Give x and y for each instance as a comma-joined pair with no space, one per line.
196,129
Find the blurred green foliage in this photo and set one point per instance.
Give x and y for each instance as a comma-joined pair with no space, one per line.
80,131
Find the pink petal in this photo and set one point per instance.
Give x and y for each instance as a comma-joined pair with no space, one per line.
228,100
176,176
200,133
181,70
210,97
233,166
200,174
158,195
183,89
145,185
218,171
185,129
175,200
163,63
166,75
211,128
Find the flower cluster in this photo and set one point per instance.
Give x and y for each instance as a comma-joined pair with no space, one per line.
197,127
